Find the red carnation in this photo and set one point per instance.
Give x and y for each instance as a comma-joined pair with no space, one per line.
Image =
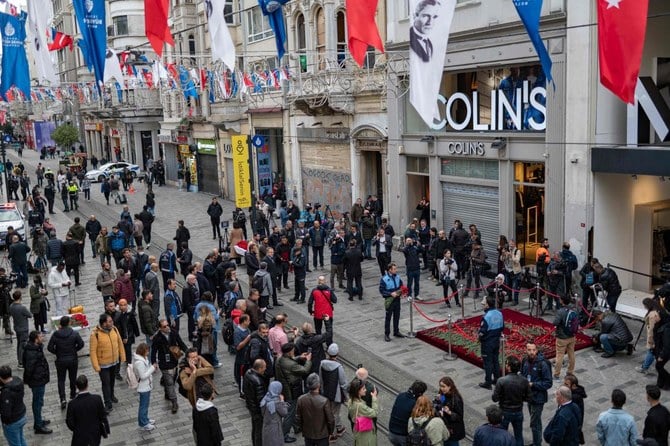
404,290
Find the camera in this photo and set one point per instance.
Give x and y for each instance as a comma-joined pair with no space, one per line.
317,205
225,224
450,261
437,405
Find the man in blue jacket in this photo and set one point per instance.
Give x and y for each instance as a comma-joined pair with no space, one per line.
563,429
401,412
389,287
538,372
490,330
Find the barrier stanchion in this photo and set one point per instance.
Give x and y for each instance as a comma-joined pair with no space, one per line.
449,356
474,304
411,333
502,349
461,292
538,301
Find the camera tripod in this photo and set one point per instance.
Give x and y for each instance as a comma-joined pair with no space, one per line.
223,241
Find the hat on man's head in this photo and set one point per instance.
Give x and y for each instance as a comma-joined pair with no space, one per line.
333,350
313,382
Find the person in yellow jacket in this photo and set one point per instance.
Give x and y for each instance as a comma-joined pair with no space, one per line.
73,193
106,351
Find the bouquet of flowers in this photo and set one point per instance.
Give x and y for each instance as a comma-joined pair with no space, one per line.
404,291
78,320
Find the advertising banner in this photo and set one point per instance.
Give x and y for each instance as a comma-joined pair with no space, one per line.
241,171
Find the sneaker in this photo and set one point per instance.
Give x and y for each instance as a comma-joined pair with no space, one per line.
152,421
149,427
20,367
217,366
642,370
418,298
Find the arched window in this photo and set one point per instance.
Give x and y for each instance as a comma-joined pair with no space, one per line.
301,41
341,39
320,19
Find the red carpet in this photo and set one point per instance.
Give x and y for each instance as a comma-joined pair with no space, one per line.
519,328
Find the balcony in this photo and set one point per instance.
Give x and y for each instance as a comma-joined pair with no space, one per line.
333,87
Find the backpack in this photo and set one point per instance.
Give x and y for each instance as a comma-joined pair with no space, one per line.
131,377
572,322
258,283
228,331
418,435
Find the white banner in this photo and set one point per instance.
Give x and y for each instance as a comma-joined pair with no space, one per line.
40,15
428,38
223,47
112,67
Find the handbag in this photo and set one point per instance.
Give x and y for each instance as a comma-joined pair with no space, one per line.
175,351
362,424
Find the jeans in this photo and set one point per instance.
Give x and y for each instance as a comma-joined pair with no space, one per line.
317,251
516,419
143,410
450,443
392,312
648,359
491,363
289,419
94,250
609,345
21,339
513,281
535,411
14,432
413,279
21,275
367,248
71,369
107,380
38,403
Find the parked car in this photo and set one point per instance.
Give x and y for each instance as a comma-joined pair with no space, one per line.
106,170
11,216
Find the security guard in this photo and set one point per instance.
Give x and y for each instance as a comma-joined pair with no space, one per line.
73,193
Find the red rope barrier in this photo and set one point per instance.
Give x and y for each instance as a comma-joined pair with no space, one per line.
426,317
437,301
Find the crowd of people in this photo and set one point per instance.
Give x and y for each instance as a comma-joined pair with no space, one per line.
290,378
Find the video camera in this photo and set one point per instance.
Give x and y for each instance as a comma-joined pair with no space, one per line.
225,224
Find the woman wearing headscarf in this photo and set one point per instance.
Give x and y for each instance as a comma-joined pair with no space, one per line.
274,408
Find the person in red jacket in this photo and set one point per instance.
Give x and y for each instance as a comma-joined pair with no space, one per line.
123,288
320,305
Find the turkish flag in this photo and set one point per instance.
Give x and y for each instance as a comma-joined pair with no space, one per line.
156,24
362,28
621,30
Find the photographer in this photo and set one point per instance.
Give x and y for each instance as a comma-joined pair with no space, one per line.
448,272
477,260
556,272
6,284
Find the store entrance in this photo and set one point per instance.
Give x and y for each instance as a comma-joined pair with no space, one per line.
372,174
529,208
660,252
418,188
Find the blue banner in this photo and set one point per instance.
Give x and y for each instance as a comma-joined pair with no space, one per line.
275,14
91,19
529,12
15,72
264,165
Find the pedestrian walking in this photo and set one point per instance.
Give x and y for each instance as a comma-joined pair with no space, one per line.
615,426
566,322
106,189
194,372
182,235
168,264
206,427
334,385
102,247
93,228
655,319
86,416
106,352
167,349
12,408
65,343
72,257
255,386
36,376
148,319
17,254
144,372
274,409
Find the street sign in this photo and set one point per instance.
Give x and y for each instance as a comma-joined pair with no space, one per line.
258,141
7,138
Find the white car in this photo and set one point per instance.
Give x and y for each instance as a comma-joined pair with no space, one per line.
11,216
106,170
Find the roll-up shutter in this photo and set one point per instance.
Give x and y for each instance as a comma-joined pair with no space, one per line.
209,174
474,204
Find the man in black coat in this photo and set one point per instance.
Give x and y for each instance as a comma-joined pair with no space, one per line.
353,257
182,235
167,362
93,228
255,386
12,408
86,416
65,343
206,424
214,210
36,376
275,274
71,255
656,424
563,429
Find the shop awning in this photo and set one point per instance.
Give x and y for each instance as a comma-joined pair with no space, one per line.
639,160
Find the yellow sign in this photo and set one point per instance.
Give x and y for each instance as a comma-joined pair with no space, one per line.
241,171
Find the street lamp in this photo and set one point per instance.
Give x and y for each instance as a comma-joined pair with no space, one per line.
6,138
